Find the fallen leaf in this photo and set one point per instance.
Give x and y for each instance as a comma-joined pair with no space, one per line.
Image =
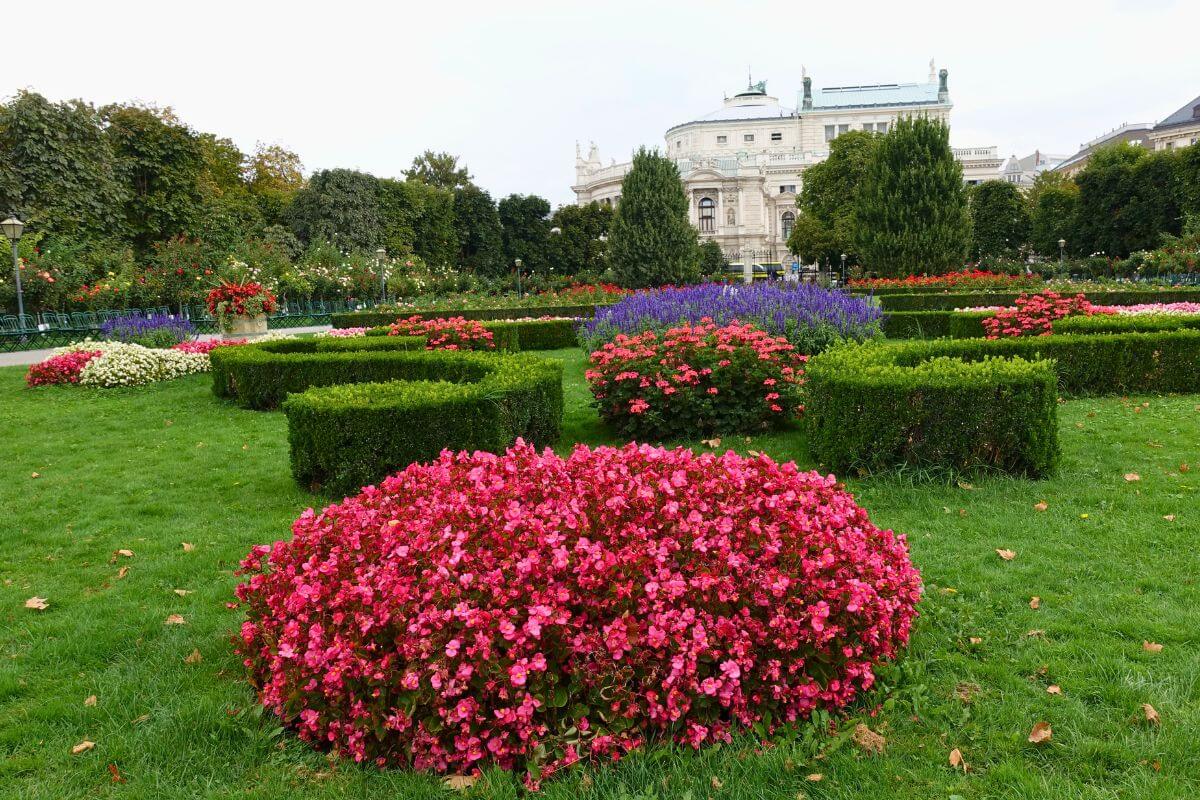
36,475
1007,555
1151,647
867,739
459,782
1151,714
1054,688
966,691
1042,506
965,486
753,453
957,761
37,603
82,747
1041,733
1169,517
716,782
122,572
1132,476
90,701
194,658
714,443
140,720
125,552
175,619
1084,516
1035,633
116,774
182,592
815,777
949,590
1184,467
188,547
1035,602
975,640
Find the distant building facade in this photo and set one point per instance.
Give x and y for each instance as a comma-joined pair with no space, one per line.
1022,172
743,164
1136,133
1181,129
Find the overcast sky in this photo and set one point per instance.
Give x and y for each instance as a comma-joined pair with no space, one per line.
510,86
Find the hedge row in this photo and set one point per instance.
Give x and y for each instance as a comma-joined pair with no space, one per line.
538,334
951,301
934,324
967,404
359,409
371,319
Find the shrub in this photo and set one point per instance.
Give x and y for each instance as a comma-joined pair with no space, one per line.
942,301
1121,323
61,368
811,317
1034,314
529,610
966,280
156,330
455,333
694,379
386,317
361,408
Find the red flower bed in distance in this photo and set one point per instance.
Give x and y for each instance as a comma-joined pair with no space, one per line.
530,610
454,333
1034,314
64,368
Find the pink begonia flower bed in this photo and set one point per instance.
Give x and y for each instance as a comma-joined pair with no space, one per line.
531,610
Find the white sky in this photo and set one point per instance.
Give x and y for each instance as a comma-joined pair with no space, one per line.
511,85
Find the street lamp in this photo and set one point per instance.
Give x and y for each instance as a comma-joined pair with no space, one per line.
1062,249
843,269
517,262
12,228
380,255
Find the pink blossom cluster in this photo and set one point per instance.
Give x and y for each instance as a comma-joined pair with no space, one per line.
347,333
206,346
62,368
453,333
530,610
1172,309
1034,314
696,378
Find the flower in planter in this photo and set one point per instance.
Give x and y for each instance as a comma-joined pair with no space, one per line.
246,299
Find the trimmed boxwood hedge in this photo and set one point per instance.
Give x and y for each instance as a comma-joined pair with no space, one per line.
934,324
359,409
1110,323
537,334
370,319
967,404
946,301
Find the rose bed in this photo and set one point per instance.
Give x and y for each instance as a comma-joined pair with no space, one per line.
530,610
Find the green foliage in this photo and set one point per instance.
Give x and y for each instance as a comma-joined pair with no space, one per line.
340,206
875,407
652,241
1053,218
1127,199
825,228
911,214
526,226
813,240
440,170
712,260
999,220
360,409
58,169
1117,323
935,301
513,336
480,237
578,248
369,319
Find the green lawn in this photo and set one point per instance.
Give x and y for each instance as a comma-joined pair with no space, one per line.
150,469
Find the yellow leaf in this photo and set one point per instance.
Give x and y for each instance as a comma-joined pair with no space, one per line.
975,640
1042,506
713,443
1151,714
716,782
175,619
182,592
1035,602
194,658
949,590
90,701
1151,647
37,603
1054,688
1084,516
1132,476
965,486
188,547
1169,517
1035,633
867,739
459,782
125,552
140,720
82,747
36,475
816,777
1041,733
1007,555
957,761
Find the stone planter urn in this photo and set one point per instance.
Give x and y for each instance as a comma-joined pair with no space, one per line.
246,326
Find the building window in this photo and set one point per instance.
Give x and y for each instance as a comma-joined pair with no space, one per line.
868,127
881,127
747,137
786,223
708,215
787,187
1196,112
679,144
829,133
843,129
722,139
776,136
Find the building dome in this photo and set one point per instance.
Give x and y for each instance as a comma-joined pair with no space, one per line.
751,103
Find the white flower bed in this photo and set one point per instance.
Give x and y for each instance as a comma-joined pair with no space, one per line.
126,364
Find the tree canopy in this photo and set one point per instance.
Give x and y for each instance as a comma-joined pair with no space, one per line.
652,242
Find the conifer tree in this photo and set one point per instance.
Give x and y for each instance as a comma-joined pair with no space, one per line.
911,213
999,220
652,242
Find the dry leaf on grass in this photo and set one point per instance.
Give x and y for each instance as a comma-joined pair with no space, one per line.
1151,647
37,603
1169,517
966,691
182,592
867,739
1042,506
965,486
716,782
1132,476
175,619
815,777
82,747
188,547
36,475
1033,634
975,640
957,761
1184,467
1054,688
1041,733
193,658
1151,714
1035,602
1007,555
124,551
116,774
122,572
713,443
459,782
90,701
140,720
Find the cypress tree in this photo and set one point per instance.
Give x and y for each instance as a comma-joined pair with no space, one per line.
911,212
999,220
652,242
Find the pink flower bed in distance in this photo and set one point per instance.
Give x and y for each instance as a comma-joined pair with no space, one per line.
63,368
453,333
531,610
1034,314
206,346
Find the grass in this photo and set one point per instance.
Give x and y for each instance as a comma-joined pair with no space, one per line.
150,469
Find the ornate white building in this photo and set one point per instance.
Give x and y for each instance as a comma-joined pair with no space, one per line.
743,164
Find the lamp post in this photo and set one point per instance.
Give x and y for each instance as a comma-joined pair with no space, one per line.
843,269
12,228
1062,249
517,263
380,255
